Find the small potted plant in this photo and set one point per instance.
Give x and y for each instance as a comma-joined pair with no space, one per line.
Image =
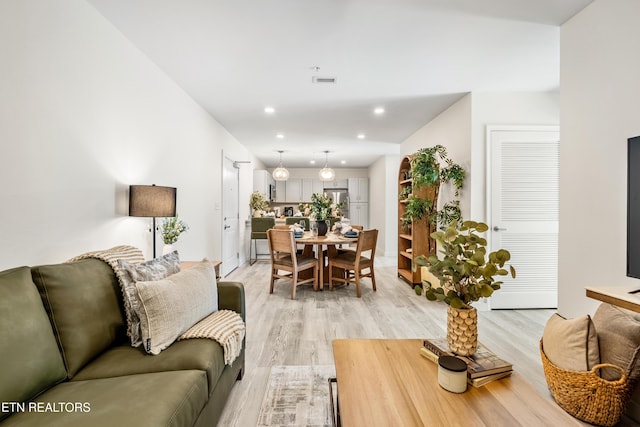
258,203
465,273
170,230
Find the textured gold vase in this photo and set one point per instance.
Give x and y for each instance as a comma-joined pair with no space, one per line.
462,330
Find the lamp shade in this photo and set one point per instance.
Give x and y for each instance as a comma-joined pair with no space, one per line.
152,201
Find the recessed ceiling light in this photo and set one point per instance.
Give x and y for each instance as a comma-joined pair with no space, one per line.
343,162
279,136
361,136
269,110
313,162
379,110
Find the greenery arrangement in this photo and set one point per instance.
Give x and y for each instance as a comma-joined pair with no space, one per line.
171,229
321,207
465,271
415,209
257,202
432,167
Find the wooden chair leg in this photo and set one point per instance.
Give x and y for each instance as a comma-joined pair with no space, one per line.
294,280
330,277
373,279
357,274
315,277
273,273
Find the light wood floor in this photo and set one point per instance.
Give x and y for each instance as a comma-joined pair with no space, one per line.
281,331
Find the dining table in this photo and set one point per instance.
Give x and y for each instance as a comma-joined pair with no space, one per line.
331,240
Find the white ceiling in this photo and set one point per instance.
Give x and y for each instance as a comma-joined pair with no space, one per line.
412,57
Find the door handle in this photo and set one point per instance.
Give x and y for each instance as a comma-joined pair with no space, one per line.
227,226
496,228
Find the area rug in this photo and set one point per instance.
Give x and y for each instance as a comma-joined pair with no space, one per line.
297,396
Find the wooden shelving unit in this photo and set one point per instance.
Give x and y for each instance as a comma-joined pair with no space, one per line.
414,240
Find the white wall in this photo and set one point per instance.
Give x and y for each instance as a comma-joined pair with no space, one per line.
84,114
383,208
599,111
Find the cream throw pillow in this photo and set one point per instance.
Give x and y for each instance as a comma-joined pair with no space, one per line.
571,343
172,305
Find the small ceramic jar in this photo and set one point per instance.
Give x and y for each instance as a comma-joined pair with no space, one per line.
452,374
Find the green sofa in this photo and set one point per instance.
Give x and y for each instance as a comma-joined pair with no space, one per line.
65,359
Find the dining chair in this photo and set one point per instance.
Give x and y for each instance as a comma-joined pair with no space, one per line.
259,227
297,219
355,262
282,246
350,246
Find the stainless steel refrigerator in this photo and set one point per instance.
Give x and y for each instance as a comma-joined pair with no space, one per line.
339,195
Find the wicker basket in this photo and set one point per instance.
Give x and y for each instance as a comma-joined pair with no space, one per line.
585,395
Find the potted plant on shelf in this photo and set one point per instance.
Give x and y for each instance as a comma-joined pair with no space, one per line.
465,273
258,203
321,208
431,167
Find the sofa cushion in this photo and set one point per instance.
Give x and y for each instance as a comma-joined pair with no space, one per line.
155,269
202,354
83,302
619,335
30,361
168,399
171,306
571,343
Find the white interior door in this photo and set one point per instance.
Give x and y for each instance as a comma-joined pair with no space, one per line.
230,217
523,173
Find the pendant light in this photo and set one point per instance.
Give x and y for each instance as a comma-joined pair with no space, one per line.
280,173
326,173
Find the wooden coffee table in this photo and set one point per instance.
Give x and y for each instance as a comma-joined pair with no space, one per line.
387,383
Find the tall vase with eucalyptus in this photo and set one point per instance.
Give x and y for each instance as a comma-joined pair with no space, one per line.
465,273
170,230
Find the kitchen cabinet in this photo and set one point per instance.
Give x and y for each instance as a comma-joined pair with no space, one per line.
359,190
281,191
262,179
309,187
336,183
293,190
307,190
359,214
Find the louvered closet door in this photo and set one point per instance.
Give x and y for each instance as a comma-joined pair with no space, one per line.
524,211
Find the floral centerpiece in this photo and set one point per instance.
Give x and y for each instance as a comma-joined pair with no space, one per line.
321,209
465,273
258,203
171,229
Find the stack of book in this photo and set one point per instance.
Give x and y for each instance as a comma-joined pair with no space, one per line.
482,368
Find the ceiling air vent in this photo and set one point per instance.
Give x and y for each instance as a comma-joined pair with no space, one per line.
316,79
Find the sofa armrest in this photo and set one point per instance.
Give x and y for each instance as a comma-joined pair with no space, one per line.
231,297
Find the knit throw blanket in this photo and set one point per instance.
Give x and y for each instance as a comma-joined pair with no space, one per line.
224,326
111,257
